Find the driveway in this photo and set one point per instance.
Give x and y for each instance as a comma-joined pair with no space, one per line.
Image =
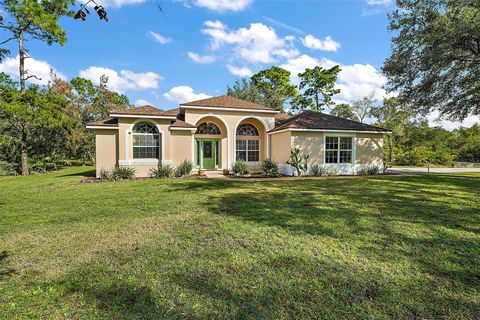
435,170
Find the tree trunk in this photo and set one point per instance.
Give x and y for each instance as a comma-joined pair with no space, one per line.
390,153
21,67
24,154
316,102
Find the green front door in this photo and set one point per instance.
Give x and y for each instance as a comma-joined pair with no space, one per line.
208,153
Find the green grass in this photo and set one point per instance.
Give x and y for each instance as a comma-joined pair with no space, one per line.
344,248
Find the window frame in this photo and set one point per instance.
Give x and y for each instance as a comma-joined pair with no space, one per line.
339,149
156,133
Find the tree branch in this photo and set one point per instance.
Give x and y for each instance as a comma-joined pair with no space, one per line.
32,76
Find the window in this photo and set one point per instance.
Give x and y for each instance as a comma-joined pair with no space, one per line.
248,143
146,141
208,128
338,149
247,130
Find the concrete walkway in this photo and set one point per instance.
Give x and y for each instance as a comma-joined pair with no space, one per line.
433,170
215,174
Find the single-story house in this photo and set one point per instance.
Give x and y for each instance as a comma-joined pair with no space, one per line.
213,133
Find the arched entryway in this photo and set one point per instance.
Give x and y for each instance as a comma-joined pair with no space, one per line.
211,143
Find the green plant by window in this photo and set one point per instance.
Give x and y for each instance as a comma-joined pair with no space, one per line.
270,168
162,171
240,168
184,168
300,163
369,170
318,170
123,173
331,172
104,174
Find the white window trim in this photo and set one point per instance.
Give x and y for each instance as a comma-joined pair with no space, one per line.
266,127
354,148
144,162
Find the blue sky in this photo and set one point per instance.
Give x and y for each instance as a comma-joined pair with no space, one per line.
195,48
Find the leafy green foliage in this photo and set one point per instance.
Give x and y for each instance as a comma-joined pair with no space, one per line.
274,85
184,168
435,56
299,162
318,170
162,171
239,168
245,89
319,85
345,111
123,173
270,168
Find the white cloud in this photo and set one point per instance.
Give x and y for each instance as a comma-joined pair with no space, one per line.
354,81
38,68
141,102
328,44
124,80
377,2
239,71
223,5
159,38
256,44
433,120
202,59
183,94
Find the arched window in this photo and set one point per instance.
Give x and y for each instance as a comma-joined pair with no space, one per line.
208,128
146,141
247,129
248,143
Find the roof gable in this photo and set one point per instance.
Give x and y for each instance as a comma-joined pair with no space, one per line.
227,102
147,110
311,120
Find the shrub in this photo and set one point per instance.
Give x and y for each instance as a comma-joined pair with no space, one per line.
369,170
240,168
270,168
123,173
331,172
226,172
161,172
104,174
184,168
8,169
318,170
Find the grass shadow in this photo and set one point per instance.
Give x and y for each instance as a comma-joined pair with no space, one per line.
5,272
86,173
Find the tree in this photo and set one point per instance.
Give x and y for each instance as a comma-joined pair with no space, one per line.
436,54
394,116
274,85
364,106
37,19
246,90
23,113
320,88
345,111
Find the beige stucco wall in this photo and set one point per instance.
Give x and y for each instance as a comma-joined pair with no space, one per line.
309,143
369,148
230,121
181,146
280,146
106,151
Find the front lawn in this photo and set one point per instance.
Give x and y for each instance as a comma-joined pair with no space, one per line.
348,248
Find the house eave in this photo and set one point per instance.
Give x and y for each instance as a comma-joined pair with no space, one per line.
141,116
326,130
102,127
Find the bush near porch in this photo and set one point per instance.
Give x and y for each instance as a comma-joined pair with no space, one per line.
369,247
